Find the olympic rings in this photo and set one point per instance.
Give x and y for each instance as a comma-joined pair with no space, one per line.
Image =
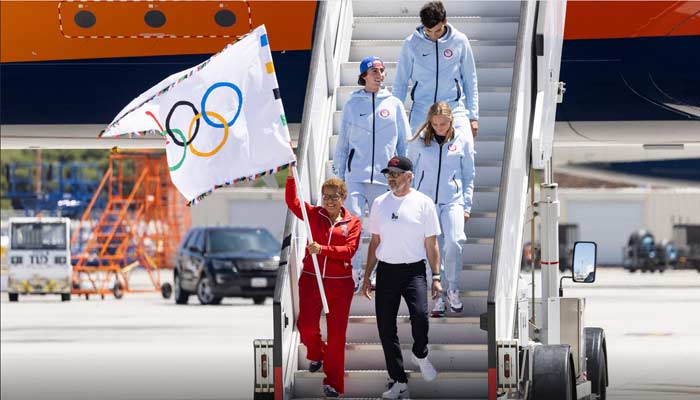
170,114
224,124
204,101
184,152
188,142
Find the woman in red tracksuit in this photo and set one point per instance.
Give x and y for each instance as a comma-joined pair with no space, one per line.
336,235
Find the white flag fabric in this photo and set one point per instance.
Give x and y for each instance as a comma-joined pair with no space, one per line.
222,120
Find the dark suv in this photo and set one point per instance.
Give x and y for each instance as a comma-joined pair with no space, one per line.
218,262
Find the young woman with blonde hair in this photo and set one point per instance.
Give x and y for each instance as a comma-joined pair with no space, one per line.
443,160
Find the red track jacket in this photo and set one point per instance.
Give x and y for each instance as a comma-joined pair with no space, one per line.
338,241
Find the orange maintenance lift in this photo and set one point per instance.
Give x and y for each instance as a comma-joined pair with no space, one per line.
141,226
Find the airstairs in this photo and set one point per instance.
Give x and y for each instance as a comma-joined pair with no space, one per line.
461,345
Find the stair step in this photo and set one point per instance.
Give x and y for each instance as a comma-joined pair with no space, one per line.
389,8
373,383
448,330
480,226
474,305
492,125
485,51
488,152
393,28
477,251
445,357
489,74
474,279
491,98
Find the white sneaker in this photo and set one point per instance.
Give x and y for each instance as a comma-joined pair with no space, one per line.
426,368
397,390
438,308
358,275
454,300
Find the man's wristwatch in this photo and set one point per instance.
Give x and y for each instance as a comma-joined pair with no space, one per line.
436,277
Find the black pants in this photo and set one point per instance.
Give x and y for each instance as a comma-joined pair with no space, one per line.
393,282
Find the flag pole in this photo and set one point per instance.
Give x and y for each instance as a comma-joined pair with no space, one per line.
319,280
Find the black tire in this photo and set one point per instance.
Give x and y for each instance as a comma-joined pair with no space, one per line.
552,373
603,389
204,293
596,361
65,296
259,300
632,270
166,290
13,297
117,290
181,295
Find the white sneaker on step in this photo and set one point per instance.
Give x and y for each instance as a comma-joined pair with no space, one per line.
397,390
426,368
454,300
438,308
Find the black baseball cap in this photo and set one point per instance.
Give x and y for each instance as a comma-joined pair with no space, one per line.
398,164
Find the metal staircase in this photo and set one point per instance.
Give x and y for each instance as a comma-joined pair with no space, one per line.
458,347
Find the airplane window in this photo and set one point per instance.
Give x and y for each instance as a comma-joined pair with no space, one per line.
225,18
85,19
154,19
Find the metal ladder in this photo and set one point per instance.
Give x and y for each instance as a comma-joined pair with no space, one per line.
458,347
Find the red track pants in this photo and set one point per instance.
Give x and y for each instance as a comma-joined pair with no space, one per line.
339,293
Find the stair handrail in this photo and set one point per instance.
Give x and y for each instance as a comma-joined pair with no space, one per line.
330,49
512,202
125,207
88,210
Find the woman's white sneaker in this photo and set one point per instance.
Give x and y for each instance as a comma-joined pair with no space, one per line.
454,300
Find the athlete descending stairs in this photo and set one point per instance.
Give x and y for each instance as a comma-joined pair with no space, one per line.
458,346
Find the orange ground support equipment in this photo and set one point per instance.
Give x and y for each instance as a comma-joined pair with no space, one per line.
141,226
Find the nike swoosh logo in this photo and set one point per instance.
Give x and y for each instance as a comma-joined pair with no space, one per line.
426,54
362,115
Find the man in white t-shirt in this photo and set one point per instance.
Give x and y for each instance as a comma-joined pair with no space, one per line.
404,226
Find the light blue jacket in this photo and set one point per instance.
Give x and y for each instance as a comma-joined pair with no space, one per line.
374,128
443,70
445,173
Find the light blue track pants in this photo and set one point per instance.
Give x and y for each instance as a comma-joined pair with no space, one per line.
360,198
451,243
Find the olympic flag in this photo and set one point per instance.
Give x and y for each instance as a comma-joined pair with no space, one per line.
222,120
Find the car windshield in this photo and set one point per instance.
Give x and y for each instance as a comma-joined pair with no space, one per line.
231,240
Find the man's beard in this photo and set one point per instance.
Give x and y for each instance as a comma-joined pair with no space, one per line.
398,188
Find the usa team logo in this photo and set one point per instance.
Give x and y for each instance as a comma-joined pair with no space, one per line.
384,113
448,53
453,147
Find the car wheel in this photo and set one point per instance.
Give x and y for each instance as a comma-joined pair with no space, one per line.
65,296
117,290
259,300
181,296
166,290
13,296
204,292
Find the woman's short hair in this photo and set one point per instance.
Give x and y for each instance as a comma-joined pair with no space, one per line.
439,108
337,184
